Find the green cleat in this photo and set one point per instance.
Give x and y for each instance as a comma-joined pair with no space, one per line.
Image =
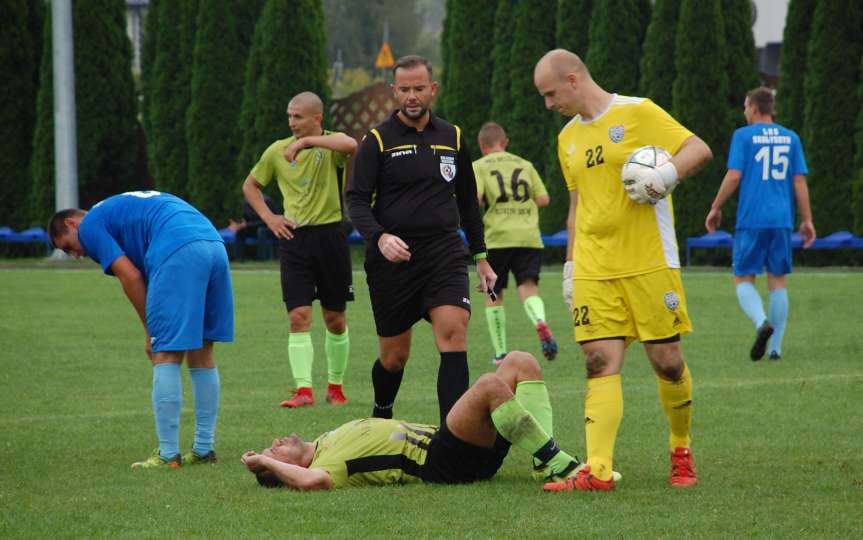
158,462
191,458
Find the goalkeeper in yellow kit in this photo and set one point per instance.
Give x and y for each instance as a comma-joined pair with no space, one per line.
622,275
511,191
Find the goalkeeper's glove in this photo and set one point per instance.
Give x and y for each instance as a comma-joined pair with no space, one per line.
567,283
650,185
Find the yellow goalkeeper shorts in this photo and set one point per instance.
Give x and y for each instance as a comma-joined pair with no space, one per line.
644,308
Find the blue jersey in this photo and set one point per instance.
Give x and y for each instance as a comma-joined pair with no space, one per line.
145,226
768,156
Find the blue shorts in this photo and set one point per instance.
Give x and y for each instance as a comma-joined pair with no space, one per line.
755,249
190,299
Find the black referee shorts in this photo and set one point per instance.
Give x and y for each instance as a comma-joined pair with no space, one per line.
316,263
452,461
524,263
403,293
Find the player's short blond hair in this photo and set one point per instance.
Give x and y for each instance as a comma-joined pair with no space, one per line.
490,134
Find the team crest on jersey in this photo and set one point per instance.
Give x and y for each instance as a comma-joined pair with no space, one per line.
447,168
672,301
615,133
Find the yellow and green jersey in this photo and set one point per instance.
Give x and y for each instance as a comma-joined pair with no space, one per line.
309,185
373,451
510,185
616,237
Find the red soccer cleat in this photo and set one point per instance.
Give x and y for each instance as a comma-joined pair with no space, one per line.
546,339
302,398
581,481
682,468
335,396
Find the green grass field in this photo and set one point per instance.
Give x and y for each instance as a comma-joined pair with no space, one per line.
779,446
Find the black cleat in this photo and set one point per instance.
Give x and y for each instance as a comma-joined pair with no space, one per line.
775,355
760,345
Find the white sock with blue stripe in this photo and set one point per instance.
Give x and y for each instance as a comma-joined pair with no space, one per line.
750,302
167,402
207,388
778,308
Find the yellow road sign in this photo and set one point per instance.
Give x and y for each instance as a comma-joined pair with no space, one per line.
385,57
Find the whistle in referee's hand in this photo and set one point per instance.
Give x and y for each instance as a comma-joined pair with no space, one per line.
492,295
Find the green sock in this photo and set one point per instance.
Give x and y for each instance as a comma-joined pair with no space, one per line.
495,316
337,347
535,309
520,428
533,395
301,354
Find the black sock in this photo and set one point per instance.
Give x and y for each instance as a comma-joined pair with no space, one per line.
386,385
452,380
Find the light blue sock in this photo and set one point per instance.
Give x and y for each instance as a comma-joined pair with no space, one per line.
205,382
778,308
167,402
750,302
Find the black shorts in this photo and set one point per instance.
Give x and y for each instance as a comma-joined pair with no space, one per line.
316,263
403,293
452,461
524,263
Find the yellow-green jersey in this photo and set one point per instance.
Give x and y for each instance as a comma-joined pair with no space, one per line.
373,451
309,185
510,186
616,237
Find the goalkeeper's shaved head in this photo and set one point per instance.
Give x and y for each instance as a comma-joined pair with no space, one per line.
561,63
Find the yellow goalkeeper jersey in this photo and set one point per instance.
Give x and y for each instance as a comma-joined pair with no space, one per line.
614,236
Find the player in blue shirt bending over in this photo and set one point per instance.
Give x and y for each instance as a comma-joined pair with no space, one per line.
767,161
174,269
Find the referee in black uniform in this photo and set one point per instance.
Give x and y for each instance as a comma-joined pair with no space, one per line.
412,187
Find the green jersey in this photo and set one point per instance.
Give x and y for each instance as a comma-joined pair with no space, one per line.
373,451
309,185
510,186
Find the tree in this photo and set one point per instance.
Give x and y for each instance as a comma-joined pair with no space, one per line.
168,97
502,100
831,79
467,93
288,56
790,99
20,44
149,47
700,62
657,64
572,30
615,45
857,188
743,74
212,116
531,127
105,109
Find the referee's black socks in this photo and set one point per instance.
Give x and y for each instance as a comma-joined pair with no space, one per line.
452,380
386,385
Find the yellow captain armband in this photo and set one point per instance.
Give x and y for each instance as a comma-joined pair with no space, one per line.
479,256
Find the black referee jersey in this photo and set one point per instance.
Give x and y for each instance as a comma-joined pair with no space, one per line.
414,184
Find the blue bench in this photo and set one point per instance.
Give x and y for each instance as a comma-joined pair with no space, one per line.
837,240
34,235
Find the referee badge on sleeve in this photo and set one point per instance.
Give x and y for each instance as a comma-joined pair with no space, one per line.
447,168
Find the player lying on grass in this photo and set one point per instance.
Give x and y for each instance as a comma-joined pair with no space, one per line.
507,407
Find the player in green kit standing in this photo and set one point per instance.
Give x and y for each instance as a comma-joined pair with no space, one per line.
512,192
313,249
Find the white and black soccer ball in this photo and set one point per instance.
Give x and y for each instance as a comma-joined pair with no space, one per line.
635,182
646,156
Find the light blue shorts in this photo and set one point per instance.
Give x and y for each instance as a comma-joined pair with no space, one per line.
755,249
190,298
